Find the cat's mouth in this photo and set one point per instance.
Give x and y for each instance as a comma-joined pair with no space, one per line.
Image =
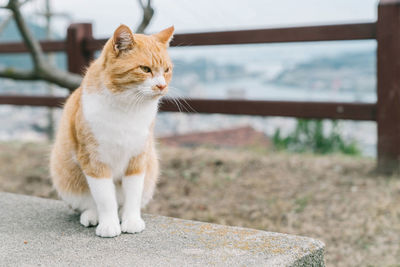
159,93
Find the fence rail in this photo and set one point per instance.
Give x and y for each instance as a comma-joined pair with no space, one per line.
47,46
310,110
80,47
360,31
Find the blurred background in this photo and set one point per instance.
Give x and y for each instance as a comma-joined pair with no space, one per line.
307,177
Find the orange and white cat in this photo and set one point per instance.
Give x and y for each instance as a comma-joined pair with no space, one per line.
104,162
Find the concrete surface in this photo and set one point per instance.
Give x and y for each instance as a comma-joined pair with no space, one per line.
35,231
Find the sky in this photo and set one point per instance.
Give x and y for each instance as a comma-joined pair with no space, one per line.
206,15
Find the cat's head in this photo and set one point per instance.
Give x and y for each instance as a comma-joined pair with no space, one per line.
138,63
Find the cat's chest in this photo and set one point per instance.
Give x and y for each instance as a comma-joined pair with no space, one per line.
119,136
120,133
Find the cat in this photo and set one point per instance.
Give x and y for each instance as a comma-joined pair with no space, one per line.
103,162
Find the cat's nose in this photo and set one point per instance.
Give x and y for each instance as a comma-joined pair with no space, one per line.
161,86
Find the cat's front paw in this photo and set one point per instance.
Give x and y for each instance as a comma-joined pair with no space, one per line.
108,228
132,226
89,218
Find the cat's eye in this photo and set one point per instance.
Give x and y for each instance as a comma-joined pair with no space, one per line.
145,69
166,70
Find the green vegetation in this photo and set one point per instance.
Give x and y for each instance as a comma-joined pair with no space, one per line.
310,136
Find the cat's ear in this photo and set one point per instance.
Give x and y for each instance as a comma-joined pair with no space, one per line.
165,36
122,39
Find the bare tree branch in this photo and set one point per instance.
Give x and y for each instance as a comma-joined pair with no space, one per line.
53,75
42,70
141,4
12,73
148,13
31,43
8,19
60,77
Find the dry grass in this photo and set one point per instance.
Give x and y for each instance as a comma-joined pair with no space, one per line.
336,199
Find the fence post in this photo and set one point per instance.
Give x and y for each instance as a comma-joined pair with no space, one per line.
388,86
78,57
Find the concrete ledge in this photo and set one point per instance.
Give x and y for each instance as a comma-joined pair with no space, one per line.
35,231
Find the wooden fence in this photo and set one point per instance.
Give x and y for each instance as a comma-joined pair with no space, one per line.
80,47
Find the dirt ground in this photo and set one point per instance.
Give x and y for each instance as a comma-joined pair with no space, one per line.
339,200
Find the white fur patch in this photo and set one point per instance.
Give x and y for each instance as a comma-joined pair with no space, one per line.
120,123
89,218
103,192
159,79
132,187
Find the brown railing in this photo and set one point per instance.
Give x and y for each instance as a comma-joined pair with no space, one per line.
80,47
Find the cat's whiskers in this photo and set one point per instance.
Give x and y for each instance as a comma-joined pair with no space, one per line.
131,99
176,103
178,98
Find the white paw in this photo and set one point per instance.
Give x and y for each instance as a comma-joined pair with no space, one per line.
108,228
132,226
89,218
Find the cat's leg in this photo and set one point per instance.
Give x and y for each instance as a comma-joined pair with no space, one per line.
84,203
72,187
102,189
132,187
103,192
